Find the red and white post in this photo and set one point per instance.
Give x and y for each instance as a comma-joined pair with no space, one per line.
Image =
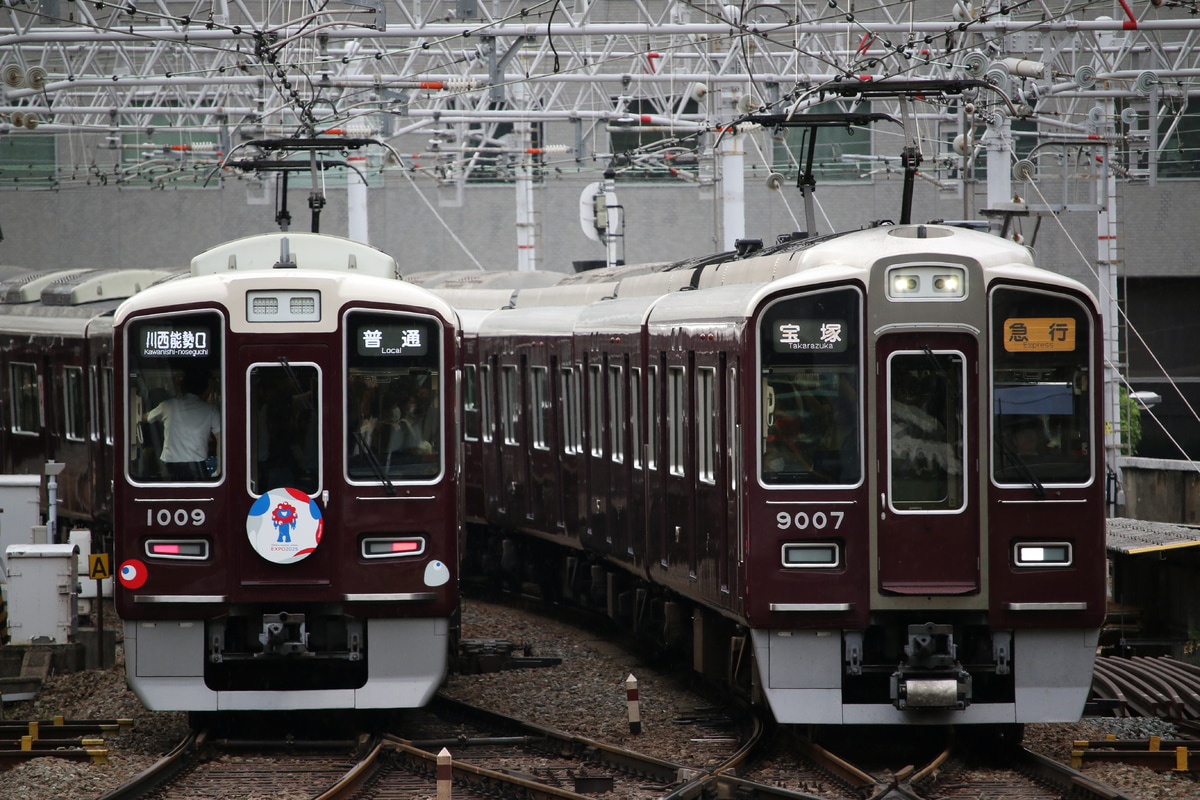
445,775
635,708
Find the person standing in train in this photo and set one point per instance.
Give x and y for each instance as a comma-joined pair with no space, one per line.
188,424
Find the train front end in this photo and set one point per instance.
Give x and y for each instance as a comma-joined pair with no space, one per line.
301,551
926,524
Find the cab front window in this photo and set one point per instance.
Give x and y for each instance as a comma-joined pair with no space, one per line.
810,420
1041,389
393,397
175,408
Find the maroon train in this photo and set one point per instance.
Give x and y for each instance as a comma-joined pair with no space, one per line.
303,555
858,476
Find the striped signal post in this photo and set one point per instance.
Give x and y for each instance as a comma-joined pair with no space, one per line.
635,708
445,775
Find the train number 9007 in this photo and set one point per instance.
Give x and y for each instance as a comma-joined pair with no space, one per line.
162,517
803,520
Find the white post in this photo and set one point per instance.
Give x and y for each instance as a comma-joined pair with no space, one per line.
526,226
1108,267
633,704
733,189
997,143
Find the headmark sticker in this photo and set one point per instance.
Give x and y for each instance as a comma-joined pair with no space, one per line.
284,526
133,574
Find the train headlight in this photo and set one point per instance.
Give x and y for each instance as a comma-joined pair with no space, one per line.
1043,554
948,284
178,549
811,555
927,282
392,546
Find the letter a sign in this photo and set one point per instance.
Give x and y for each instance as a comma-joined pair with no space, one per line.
98,566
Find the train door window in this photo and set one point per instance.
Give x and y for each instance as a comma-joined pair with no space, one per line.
616,412
284,427
652,418
74,404
926,430
596,409
106,404
25,397
510,403
635,415
706,423
572,433
485,402
394,385
541,406
470,404
175,398
809,415
676,417
1041,389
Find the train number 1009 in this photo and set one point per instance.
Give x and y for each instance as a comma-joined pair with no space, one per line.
803,520
162,517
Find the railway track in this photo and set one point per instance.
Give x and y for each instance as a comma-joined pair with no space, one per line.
492,755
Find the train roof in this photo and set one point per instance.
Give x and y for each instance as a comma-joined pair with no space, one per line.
476,279
339,286
27,288
8,271
538,320
318,251
789,264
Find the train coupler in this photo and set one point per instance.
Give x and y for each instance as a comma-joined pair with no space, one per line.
931,676
283,635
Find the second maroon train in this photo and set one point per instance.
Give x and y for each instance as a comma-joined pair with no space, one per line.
858,476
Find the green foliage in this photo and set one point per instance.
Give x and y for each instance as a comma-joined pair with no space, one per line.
1131,424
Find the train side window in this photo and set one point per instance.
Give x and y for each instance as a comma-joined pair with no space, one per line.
470,403
706,423
25,393
510,403
485,402
106,404
572,432
809,412
676,417
635,414
616,412
539,381
596,409
1041,388
652,418
74,405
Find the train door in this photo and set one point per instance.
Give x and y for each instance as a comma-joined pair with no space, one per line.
928,526
285,395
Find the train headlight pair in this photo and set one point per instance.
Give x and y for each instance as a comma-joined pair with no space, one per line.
1043,554
927,283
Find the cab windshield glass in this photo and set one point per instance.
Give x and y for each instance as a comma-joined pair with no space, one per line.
393,397
175,407
809,350
1041,389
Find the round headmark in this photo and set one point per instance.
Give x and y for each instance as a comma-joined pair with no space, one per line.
284,526
132,574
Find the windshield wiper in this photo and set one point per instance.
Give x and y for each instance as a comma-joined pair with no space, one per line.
376,467
1022,466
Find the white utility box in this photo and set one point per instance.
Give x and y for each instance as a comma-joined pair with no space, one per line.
42,592
20,508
